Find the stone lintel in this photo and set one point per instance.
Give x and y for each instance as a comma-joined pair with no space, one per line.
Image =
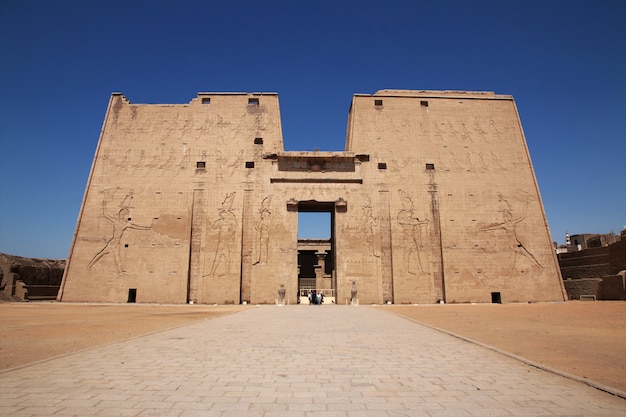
317,161
318,180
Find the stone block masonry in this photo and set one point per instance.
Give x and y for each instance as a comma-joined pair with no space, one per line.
433,200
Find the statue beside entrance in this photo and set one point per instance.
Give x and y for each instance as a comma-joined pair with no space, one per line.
281,294
353,291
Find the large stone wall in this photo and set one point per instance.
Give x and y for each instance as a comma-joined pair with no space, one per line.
434,199
596,271
588,263
617,256
459,172
604,288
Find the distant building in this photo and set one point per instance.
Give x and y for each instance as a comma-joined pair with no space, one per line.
598,270
433,200
575,243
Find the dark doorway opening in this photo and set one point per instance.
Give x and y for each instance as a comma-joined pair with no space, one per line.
132,295
496,298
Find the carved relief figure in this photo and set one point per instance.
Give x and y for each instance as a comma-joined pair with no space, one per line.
495,161
509,226
481,159
411,234
494,132
105,165
453,133
226,168
153,164
262,227
479,131
127,202
169,163
423,129
123,164
369,221
465,134
223,127
220,161
468,160
120,222
139,163
185,160
441,130
226,226
187,125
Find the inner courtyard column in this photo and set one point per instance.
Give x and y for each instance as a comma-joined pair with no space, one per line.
320,269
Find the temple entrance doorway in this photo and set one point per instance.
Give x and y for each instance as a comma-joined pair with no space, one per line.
316,254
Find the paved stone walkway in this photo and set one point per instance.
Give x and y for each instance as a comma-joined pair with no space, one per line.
300,361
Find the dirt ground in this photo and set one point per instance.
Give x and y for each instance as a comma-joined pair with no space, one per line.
584,338
587,339
34,331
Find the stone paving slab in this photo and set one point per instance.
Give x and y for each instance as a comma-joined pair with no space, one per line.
300,361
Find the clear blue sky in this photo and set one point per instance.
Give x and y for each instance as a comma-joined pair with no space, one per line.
563,61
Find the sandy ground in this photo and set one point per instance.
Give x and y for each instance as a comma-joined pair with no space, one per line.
587,339
584,338
34,331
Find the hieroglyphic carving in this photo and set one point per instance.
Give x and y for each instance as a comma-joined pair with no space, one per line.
412,243
262,227
461,130
470,161
120,222
226,226
166,162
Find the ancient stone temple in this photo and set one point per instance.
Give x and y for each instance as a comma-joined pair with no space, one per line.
433,200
